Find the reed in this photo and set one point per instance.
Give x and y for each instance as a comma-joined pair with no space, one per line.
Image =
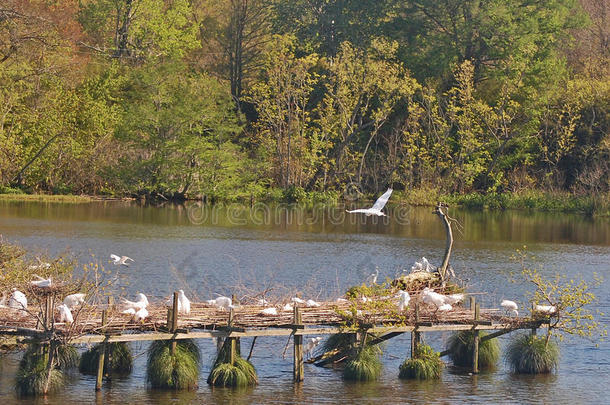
364,365
179,370
461,346
118,359
425,365
529,354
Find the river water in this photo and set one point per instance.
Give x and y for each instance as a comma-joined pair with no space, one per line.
319,252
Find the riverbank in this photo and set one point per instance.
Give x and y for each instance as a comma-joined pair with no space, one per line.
593,205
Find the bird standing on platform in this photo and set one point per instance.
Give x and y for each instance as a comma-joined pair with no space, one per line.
545,309
140,315
184,304
73,300
142,302
271,311
122,260
433,298
298,300
510,306
65,315
221,302
403,300
376,208
312,303
41,282
18,300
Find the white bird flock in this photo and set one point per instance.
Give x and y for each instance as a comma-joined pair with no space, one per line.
376,208
442,302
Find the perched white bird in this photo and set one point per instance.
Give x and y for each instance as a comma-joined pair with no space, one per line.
129,311
74,300
122,260
372,278
287,307
184,305
311,344
403,300
262,301
221,302
365,299
140,315
433,298
453,299
65,315
312,303
545,309
445,308
42,282
376,208
40,266
268,311
298,300
18,300
342,300
510,306
142,302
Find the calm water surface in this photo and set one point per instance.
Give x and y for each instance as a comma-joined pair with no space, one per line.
319,252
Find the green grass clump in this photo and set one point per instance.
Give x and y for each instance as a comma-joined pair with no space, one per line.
33,372
426,365
66,357
529,354
338,341
177,371
239,374
117,361
461,347
364,365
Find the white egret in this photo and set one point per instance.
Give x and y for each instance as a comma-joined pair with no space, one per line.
545,309
372,278
221,302
312,303
271,311
142,302
42,282
129,311
510,306
433,298
140,315
262,301
376,208
18,300
184,304
122,260
453,299
403,300
287,307
298,300
65,315
342,300
445,308
74,300
311,344
40,266
424,265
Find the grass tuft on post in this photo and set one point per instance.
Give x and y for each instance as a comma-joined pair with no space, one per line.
117,361
530,354
364,364
461,345
177,371
425,365
33,374
224,374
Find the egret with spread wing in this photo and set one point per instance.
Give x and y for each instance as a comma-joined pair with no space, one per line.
122,260
376,208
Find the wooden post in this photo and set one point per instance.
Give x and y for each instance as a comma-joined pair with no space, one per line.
475,346
101,358
415,335
235,301
448,242
298,368
48,312
174,321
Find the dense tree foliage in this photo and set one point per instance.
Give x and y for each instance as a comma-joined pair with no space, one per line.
232,98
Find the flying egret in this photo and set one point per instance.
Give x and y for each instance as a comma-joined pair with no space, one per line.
372,278
122,260
312,303
403,300
65,315
510,306
140,315
18,300
545,309
376,208
73,300
142,302
42,282
271,311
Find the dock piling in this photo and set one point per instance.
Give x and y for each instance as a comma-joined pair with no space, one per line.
298,369
475,341
101,358
174,321
415,335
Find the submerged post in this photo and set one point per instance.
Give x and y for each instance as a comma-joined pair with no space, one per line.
101,358
475,339
298,368
415,335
